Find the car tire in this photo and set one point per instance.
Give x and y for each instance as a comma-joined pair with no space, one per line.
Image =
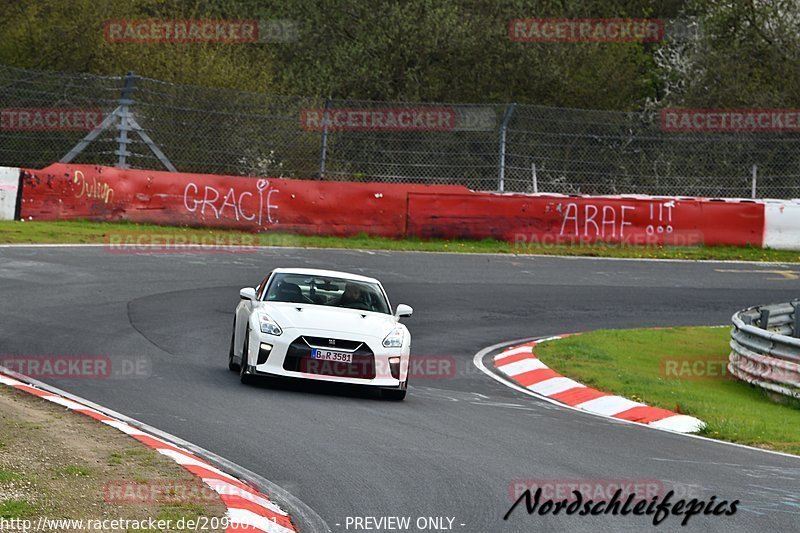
233,367
244,377
395,395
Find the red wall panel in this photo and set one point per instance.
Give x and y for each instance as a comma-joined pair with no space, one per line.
301,206
561,219
392,210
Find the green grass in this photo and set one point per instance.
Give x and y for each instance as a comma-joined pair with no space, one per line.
8,475
17,232
143,457
115,458
638,364
15,508
176,512
76,471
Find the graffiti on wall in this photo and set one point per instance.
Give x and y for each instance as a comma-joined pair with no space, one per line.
595,220
239,203
93,188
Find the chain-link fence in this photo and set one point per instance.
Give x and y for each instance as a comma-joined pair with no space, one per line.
510,147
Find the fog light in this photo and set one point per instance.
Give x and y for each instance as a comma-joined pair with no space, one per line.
263,352
394,367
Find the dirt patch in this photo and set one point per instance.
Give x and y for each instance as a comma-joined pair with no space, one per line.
58,464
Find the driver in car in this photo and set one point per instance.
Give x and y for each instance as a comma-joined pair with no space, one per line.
353,297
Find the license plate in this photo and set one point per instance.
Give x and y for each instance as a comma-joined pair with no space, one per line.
329,355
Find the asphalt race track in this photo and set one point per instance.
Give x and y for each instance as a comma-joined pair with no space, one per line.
453,448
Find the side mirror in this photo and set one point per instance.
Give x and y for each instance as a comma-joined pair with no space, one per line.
403,310
248,293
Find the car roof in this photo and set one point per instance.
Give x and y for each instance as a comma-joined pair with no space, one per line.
325,273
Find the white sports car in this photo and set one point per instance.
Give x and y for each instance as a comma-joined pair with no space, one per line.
321,325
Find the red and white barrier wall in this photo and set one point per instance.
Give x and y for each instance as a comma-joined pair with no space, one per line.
400,210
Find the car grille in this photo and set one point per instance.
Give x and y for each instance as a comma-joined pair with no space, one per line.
298,358
332,344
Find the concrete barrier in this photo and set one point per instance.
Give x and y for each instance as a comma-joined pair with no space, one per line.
9,189
554,219
299,206
63,191
782,224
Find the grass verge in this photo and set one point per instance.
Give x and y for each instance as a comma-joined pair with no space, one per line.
61,465
79,231
682,369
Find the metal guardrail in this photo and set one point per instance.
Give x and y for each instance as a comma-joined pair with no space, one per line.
765,347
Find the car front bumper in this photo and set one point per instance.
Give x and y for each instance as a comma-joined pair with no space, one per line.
289,357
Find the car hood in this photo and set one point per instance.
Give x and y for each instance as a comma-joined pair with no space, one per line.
346,322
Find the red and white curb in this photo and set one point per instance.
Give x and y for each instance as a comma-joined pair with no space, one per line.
520,365
248,509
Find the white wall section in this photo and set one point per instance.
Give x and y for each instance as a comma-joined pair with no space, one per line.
9,183
782,224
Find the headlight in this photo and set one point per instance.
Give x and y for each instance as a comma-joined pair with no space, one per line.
269,326
395,338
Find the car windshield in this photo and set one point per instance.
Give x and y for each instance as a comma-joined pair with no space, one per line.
333,292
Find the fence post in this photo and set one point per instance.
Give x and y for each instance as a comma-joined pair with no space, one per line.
754,175
763,319
535,180
323,149
501,180
796,323
123,126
